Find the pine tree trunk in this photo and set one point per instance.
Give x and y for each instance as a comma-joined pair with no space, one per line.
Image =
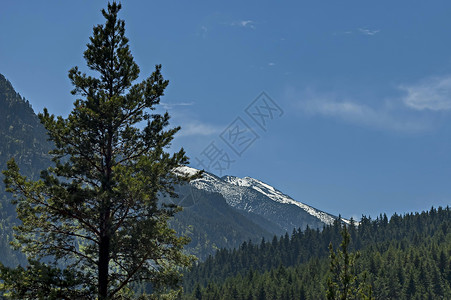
104,250
105,234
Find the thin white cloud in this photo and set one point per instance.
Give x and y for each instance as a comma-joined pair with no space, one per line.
363,31
191,128
271,64
384,117
361,114
415,111
342,32
244,23
433,94
366,31
166,105
203,31
189,121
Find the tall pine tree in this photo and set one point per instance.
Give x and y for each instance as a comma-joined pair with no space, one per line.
92,225
342,281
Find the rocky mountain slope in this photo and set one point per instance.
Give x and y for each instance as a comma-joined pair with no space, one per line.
251,196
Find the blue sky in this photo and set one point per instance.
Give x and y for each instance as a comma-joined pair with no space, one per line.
358,119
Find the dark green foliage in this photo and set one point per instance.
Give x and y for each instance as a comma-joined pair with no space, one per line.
286,250
21,134
212,224
92,226
342,280
48,282
23,137
408,257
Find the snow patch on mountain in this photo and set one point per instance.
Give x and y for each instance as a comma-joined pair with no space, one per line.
249,194
278,196
185,171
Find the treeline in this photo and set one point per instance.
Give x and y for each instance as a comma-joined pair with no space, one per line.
406,257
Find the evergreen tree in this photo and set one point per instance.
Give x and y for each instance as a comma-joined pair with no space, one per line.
342,281
197,292
92,225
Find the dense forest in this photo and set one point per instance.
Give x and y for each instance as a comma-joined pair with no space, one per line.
23,137
212,224
404,257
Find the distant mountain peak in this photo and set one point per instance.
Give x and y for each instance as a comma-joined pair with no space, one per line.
252,195
278,196
186,171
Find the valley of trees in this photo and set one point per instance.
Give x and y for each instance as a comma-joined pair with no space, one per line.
406,257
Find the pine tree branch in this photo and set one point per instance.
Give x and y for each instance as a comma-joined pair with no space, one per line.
61,211
56,229
130,275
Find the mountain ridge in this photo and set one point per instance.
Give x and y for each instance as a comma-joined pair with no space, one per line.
255,196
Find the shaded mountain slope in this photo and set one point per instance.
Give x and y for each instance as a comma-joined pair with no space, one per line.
23,138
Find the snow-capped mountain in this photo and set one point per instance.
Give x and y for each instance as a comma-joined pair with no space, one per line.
254,197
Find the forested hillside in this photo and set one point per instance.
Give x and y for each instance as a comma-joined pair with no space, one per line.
406,257
23,138
212,224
